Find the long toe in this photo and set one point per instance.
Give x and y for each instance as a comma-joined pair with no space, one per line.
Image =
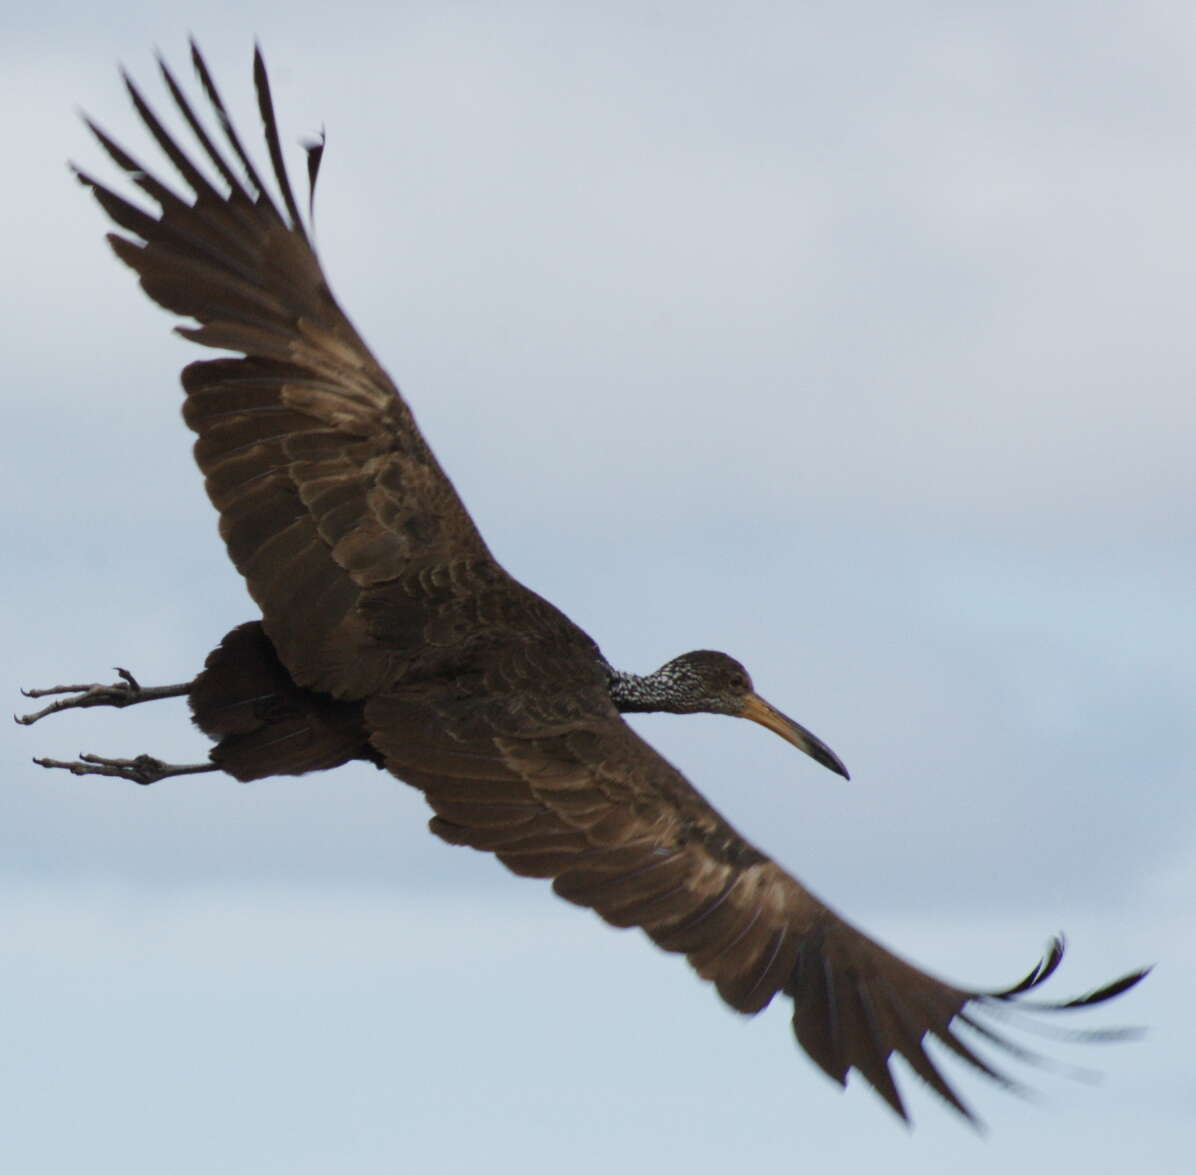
126,692
144,769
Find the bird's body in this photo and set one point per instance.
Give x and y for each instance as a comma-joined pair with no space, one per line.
389,633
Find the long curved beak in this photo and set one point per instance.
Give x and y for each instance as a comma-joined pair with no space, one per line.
758,710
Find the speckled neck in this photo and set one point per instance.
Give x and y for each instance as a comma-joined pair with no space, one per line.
635,694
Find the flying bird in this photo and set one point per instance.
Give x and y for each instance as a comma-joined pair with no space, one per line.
389,633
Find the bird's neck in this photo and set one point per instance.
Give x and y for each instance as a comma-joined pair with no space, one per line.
636,694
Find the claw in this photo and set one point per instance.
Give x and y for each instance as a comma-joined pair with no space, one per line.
128,678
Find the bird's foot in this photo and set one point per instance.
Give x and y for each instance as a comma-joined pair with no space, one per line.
126,692
144,769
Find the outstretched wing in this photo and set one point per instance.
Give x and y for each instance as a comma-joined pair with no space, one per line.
584,801
325,486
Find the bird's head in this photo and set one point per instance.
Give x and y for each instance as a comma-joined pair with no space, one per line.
706,682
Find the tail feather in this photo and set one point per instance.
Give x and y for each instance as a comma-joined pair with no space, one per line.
263,723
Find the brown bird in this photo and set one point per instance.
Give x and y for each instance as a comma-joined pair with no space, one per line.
389,633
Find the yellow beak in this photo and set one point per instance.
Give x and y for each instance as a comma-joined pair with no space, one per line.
758,710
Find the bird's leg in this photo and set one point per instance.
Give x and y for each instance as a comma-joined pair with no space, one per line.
144,769
126,692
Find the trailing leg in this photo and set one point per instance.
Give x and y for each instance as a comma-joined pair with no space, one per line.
262,722
126,692
144,769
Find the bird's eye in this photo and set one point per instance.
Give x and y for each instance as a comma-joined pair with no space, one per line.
738,681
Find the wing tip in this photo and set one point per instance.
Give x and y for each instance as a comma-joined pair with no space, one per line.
853,1011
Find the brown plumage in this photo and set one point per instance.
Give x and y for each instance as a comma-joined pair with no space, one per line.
390,634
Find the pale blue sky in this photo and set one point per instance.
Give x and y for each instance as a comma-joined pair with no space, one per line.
853,339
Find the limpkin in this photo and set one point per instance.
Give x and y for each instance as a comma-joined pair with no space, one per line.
389,633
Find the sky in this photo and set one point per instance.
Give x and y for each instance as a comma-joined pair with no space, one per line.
852,339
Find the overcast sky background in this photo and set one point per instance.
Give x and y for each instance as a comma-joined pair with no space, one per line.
854,339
